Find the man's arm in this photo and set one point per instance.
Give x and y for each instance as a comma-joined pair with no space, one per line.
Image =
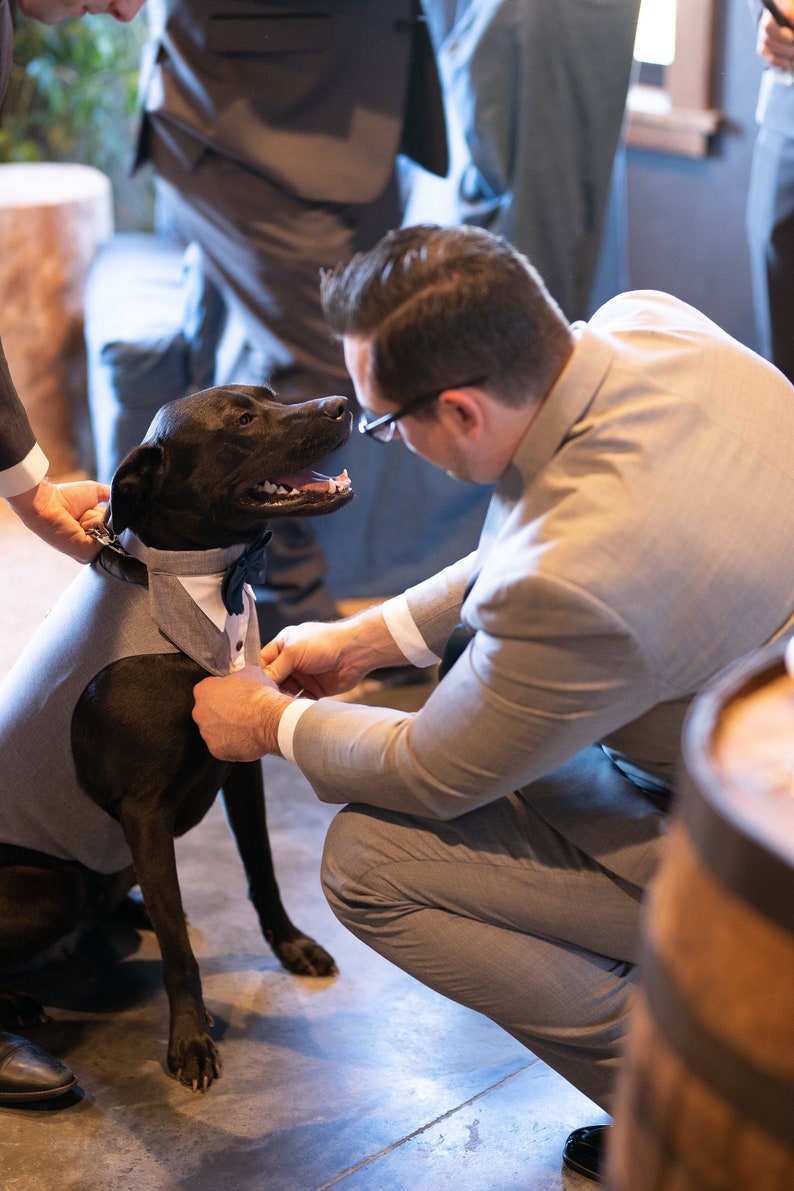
775,42
22,462
56,513
510,710
240,716
60,514
326,659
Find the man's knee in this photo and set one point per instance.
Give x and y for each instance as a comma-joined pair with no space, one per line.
361,846
344,860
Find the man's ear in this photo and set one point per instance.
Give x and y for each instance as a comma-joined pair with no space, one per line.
463,409
134,485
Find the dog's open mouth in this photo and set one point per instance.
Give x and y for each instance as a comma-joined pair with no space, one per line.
300,485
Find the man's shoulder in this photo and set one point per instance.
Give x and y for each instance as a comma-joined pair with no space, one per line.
646,305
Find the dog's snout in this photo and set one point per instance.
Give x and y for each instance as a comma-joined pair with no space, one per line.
335,407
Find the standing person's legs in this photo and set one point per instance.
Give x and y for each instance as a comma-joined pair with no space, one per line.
770,235
265,249
496,910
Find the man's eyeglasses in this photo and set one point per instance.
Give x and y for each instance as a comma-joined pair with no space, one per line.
382,429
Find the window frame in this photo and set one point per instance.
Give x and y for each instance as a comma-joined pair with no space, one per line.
678,116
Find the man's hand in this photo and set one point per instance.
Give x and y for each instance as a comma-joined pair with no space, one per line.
238,715
326,659
775,43
60,514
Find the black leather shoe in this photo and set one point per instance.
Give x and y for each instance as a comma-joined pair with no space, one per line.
28,1073
584,1151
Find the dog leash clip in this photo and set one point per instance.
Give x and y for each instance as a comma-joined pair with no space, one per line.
106,537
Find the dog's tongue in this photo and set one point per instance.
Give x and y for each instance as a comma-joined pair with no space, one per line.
313,481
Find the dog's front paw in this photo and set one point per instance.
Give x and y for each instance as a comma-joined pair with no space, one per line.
304,957
195,1062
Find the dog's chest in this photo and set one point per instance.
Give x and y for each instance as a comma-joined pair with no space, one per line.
186,606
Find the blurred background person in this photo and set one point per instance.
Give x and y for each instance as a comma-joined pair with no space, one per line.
275,134
539,92
770,198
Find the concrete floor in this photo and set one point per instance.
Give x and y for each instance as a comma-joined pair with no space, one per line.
366,1082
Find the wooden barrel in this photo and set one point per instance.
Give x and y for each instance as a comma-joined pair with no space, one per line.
706,1096
53,217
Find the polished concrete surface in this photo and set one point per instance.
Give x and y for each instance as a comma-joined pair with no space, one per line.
364,1082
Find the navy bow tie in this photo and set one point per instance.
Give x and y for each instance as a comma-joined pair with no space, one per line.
249,568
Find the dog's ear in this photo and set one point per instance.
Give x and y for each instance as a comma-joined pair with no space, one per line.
135,483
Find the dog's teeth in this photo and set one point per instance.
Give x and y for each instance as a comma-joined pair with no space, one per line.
275,489
332,485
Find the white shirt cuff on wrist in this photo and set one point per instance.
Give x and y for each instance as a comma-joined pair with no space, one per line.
25,475
406,635
287,725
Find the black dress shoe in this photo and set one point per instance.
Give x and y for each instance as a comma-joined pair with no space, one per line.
584,1151
28,1073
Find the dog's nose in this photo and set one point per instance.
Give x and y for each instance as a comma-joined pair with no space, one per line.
335,407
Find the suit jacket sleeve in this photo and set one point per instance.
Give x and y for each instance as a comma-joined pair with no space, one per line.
435,605
22,462
510,710
6,45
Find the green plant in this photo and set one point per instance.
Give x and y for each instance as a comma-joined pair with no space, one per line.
71,96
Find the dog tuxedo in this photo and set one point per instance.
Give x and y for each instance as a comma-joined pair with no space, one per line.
101,619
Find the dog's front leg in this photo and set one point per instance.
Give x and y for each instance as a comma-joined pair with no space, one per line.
244,799
192,1055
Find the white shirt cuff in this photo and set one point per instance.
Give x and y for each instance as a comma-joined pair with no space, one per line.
25,475
287,725
407,637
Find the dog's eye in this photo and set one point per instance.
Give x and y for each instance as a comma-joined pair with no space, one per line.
245,419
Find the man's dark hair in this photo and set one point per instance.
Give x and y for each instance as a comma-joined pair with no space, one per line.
446,305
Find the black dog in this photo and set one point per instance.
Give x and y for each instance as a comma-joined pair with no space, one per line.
102,763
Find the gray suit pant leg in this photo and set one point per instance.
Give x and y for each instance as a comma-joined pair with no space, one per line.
265,249
497,911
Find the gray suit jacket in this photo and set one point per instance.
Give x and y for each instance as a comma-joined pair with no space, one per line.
638,543
16,436
6,44
319,98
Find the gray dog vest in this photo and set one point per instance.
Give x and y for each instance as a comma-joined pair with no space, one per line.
99,620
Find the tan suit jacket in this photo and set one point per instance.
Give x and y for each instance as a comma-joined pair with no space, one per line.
639,542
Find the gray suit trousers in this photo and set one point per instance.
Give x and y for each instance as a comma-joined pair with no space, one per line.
499,912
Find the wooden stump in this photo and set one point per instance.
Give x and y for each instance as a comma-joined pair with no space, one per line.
706,1097
52,220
